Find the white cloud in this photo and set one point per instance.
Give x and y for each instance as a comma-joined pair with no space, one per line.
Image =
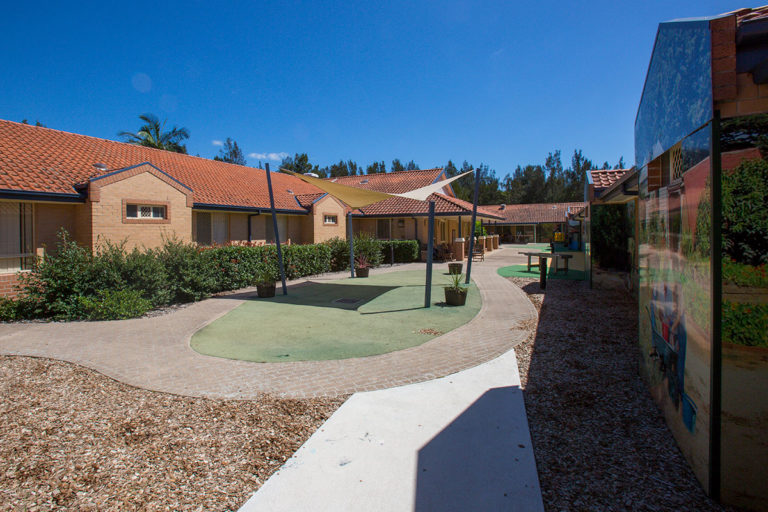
268,156
217,143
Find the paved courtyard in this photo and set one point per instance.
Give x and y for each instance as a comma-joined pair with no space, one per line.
154,353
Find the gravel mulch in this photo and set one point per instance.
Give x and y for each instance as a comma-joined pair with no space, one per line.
600,441
73,439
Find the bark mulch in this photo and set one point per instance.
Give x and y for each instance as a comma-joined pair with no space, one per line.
73,439
599,439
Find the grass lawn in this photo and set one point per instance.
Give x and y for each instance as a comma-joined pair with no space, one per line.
337,320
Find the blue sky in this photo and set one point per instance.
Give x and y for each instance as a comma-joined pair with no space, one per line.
494,82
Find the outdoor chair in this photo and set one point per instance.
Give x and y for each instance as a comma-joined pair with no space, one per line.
478,253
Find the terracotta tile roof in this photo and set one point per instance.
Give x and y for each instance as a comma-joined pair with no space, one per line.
307,200
392,182
604,178
36,159
750,14
444,205
534,213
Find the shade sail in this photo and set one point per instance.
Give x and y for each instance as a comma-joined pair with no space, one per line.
351,196
423,193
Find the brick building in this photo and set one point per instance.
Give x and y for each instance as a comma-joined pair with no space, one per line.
99,189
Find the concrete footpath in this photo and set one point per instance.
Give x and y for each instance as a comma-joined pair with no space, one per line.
457,443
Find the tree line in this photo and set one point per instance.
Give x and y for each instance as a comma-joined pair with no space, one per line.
550,182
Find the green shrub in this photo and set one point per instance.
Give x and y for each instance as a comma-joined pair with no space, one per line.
339,253
144,272
406,251
58,280
304,260
745,324
234,267
745,217
368,246
611,230
745,275
191,277
8,310
113,305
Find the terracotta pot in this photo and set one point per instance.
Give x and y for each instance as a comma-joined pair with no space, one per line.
265,290
362,272
455,268
455,297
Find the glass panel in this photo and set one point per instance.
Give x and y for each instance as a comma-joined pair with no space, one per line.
131,211
744,418
675,295
677,97
158,212
145,211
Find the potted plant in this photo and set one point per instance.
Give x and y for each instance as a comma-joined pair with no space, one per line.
362,267
455,268
265,282
455,292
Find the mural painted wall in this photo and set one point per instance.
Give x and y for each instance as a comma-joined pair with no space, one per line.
674,292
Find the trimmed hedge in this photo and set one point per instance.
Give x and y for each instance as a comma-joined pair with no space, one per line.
406,251
74,282
365,245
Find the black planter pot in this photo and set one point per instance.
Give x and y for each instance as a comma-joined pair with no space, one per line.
455,268
265,290
455,297
362,272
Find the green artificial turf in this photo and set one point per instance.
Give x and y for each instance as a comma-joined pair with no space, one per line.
312,324
522,271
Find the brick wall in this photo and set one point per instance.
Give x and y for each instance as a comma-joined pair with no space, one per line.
734,94
108,220
8,284
50,219
315,230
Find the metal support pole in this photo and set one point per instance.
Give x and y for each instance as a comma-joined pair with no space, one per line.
391,246
351,245
459,226
274,228
431,230
472,228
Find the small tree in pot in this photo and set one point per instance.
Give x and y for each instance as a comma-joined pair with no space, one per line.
362,267
265,279
455,292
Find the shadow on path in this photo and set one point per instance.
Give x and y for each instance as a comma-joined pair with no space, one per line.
474,463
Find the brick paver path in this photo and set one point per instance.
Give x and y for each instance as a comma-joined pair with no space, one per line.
154,353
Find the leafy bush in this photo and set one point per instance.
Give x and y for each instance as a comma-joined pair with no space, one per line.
745,217
191,275
234,266
745,275
113,305
57,281
303,260
8,310
144,272
339,253
745,324
369,246
611,230
406,251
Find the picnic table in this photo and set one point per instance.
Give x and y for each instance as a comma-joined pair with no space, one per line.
565,258
530,255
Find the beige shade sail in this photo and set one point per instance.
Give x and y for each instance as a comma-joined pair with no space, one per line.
421,194
351,196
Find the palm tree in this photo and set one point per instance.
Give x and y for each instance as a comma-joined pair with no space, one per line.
151,134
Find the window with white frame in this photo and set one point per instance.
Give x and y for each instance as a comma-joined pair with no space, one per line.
16,237
330,219
145,211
